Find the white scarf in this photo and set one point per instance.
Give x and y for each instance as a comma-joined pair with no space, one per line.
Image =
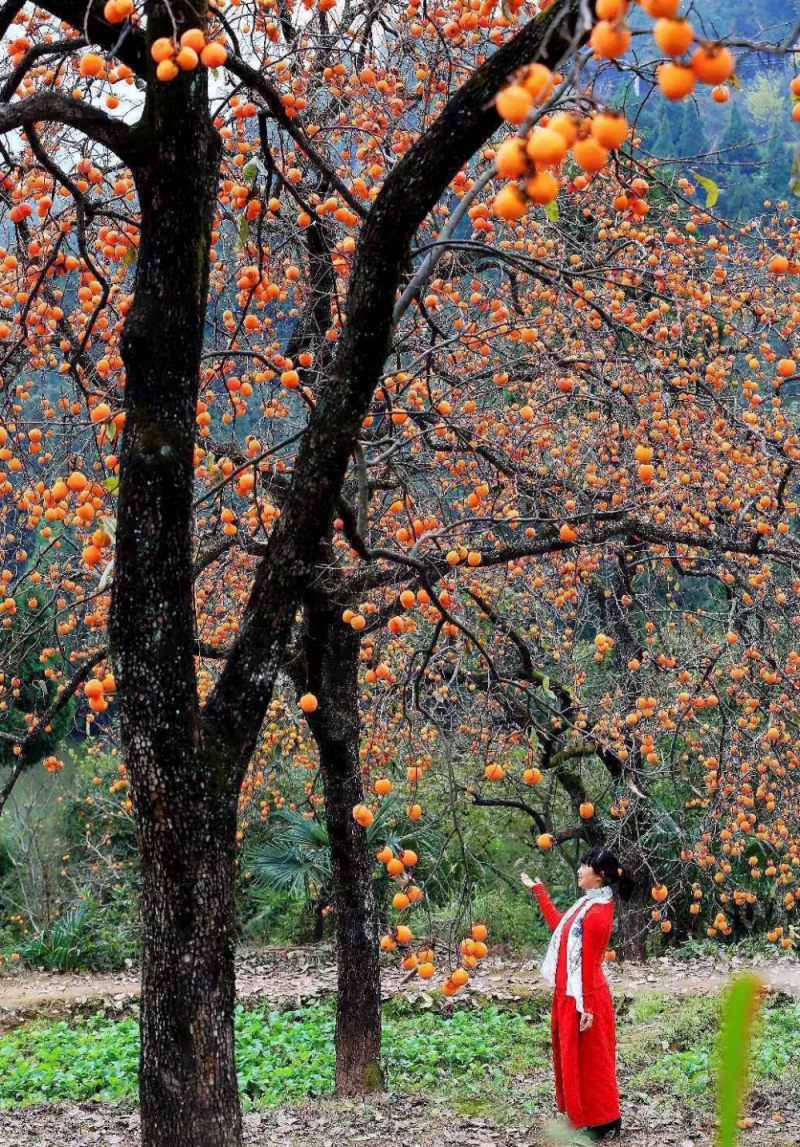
574,944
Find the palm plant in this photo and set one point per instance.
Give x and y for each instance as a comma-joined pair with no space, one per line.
297,859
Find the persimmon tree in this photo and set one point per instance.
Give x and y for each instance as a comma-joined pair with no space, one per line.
234,230
125,189
517,567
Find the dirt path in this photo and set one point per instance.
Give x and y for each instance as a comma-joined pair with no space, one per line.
297,975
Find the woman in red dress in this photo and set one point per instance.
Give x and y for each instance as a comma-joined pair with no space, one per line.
582,1022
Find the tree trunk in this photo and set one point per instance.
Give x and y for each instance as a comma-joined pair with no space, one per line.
184,794
187,1083
633,923
332,652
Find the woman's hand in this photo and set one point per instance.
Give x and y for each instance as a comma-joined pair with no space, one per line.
587,1019
526,880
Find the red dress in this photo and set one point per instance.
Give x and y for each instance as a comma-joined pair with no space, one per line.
584,1062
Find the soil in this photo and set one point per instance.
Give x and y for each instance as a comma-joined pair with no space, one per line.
400,1122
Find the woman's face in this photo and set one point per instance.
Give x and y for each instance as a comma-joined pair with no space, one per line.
588,878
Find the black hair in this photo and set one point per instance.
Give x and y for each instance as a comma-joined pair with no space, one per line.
605,864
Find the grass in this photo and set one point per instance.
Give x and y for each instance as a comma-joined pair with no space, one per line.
670,1045
472,1056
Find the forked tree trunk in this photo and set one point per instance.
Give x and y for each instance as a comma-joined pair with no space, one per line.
332,653
186,769
185,799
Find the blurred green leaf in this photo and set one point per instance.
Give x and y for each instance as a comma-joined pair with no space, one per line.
734,1055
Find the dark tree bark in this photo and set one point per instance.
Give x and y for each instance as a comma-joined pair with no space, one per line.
633,918
331,656
185,798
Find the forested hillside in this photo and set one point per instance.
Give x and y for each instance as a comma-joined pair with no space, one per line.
747,145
